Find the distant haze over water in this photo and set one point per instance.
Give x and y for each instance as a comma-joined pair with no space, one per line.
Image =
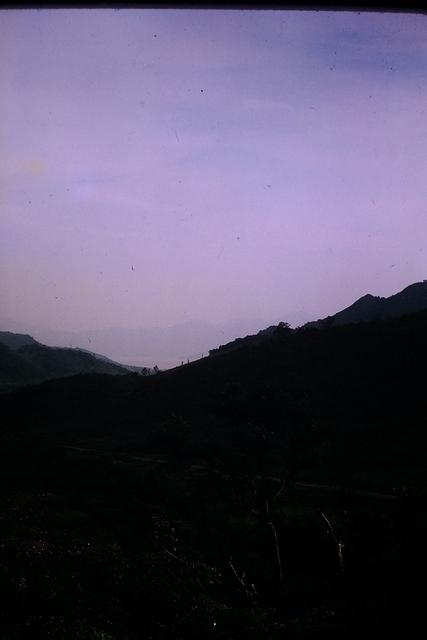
166,347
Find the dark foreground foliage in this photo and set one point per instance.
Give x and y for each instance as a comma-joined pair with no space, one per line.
276,491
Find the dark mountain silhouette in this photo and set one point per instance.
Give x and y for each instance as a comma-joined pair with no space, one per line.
257,338
411,299
368,308
173,502
23,361
14,369
16,340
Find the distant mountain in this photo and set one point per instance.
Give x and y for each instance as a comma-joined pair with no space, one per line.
16,340
146,371
14,369
410,300
23,360
165,347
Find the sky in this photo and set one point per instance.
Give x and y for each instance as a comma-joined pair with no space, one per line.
161,167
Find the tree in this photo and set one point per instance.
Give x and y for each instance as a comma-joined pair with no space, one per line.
283,329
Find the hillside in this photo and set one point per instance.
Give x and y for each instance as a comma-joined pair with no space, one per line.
16,340
57,362
156,496
345,377
277,489
25,361
367,309
14,369
257,338
410,300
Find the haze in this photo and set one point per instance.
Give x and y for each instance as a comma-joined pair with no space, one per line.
167,167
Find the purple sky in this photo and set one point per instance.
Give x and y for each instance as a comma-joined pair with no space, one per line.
160,167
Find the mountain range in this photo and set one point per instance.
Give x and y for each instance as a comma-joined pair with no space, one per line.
154,497
148,346
367,309
24,360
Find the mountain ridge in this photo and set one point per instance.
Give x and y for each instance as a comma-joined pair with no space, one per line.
368,308
16,340
411,299
24,360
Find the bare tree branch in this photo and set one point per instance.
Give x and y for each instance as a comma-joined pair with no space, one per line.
278,556
339,543
248,589
172,555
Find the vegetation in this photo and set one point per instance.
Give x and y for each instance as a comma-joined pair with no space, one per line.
273,490
24,361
